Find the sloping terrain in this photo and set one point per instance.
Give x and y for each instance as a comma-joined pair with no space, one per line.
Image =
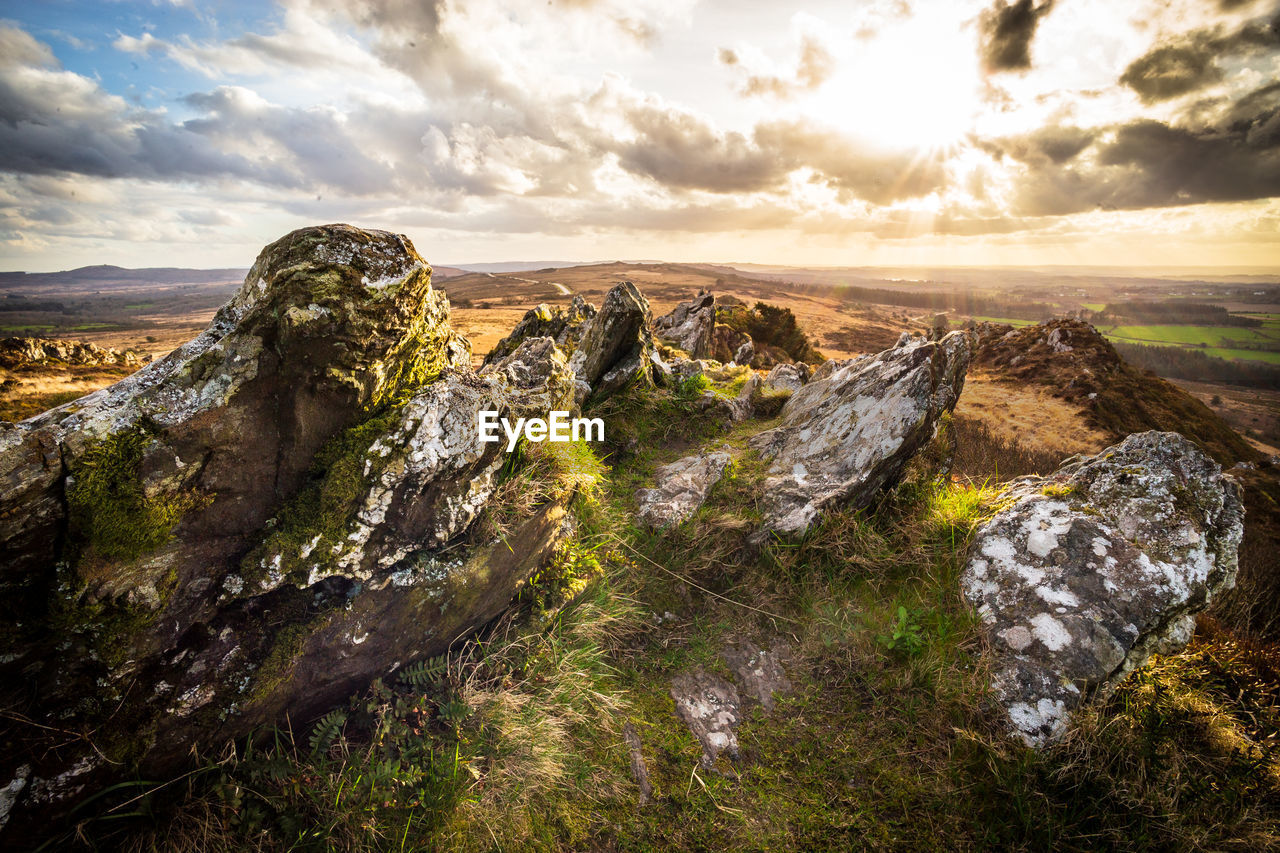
1082,372
700,685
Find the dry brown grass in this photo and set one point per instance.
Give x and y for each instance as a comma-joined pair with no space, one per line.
1028,415
33,389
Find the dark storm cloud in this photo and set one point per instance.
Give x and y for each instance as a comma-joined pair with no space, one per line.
1006,32
1146,164
1053,145
1190,62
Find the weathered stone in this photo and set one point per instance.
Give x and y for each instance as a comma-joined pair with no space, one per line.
848,436
19,352
759,672
788,377
744,353
831,365
711,708
683,369
681,488
689,326
563,325
616,349
261,521
1095,568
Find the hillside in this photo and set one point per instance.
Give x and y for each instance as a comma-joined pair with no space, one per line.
741,620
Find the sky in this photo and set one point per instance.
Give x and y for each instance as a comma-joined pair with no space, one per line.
887,132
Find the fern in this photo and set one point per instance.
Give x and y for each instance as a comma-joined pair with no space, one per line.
326,731
424,673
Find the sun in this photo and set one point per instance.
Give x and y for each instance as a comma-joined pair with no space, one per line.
914,86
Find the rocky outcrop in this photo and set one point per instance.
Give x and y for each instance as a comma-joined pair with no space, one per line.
616,349
20,352
1095,568
846,437
787,377
563,325
260,522
690,326
681,488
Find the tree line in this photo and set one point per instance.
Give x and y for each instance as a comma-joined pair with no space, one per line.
1195,366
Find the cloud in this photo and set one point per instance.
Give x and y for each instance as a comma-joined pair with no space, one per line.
1006,32
1053,145
140,45
1148,164
681,151
1190,62
853,169
53,121
814,67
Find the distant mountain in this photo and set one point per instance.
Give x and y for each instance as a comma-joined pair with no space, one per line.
108,275
520,266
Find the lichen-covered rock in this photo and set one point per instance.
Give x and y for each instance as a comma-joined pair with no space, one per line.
689,326
1096,567
844,438
423,479
831,365
711,708
563,325
19,352
788,377
681,488
258,523
616,349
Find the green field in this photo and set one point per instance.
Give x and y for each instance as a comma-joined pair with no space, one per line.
1216,336
1246,354
27,329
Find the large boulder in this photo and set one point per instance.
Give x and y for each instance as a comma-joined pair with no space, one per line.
846,437
681,488
563,325
690,326
616,349
258,523
1096,567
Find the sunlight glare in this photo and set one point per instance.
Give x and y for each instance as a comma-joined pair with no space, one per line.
912,86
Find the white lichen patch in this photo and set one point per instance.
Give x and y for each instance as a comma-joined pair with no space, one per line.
1049,631
1080,589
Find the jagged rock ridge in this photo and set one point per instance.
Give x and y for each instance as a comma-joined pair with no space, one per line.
845,437
19,352
261,521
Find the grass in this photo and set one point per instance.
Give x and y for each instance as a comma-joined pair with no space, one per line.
514,742
1229,342
1221,336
